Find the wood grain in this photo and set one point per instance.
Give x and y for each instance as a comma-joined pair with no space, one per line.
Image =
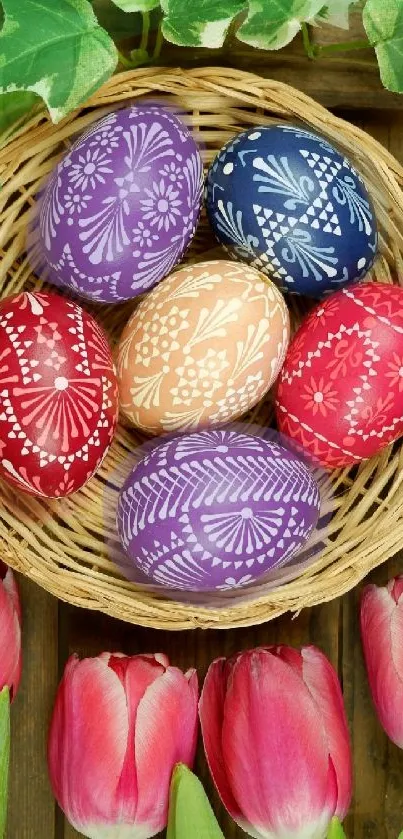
31,804
341,80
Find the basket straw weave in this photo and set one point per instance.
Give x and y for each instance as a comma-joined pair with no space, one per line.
61,545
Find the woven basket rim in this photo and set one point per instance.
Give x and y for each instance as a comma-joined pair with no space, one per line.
25,161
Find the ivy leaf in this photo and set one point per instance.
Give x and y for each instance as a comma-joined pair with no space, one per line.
13,106
271,24
384,26
54,48
336,13
199,23
137,5
120,25
190,813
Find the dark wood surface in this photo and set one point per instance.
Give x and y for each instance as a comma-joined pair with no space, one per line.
53,630
347,79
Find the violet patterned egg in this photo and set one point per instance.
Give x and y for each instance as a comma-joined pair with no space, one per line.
122,206
216,509
58,394
290,204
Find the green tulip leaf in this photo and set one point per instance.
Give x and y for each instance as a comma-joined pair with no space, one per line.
137,5
199,23
383,23
190,813
54,48
336,830
271,24
4,755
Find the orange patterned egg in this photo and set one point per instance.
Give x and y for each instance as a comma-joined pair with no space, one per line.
202,348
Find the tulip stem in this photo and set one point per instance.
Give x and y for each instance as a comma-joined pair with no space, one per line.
4,756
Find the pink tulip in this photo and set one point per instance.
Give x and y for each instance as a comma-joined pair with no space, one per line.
10,631
276,740
119,726
382,639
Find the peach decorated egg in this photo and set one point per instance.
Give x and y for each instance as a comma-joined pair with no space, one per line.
58,394
202,348
340,393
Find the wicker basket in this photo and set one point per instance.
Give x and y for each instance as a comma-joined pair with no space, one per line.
61,544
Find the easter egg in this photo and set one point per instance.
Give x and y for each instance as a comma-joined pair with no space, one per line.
58,394
287,202
202,348
216,509
340,393
122,206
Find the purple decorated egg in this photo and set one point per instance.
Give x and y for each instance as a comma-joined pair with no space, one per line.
216,509
121,208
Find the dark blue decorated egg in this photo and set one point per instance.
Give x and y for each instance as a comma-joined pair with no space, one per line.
290,204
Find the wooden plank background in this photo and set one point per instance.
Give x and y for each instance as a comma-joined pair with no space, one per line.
53,630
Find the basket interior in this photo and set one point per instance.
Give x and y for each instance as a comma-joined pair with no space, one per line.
64,545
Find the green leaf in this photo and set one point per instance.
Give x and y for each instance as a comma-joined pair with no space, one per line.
120,25
335,830
137,5
190,814
199,23
54,48
271,24
14,106
4,755
383,23
336,13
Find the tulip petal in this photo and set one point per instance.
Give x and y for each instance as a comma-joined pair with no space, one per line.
382,633
275,749
211,712
166,733
136,674
87,742
395,587
324,687
10,584
10,634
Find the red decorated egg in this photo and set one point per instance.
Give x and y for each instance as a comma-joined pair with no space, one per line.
58,394
340,392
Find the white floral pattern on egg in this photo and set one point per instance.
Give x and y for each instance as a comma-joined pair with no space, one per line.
286,201
122,206
202,348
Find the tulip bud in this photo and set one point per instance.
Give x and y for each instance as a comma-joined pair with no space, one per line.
382,639
10,673
119,726
276,740
10,631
